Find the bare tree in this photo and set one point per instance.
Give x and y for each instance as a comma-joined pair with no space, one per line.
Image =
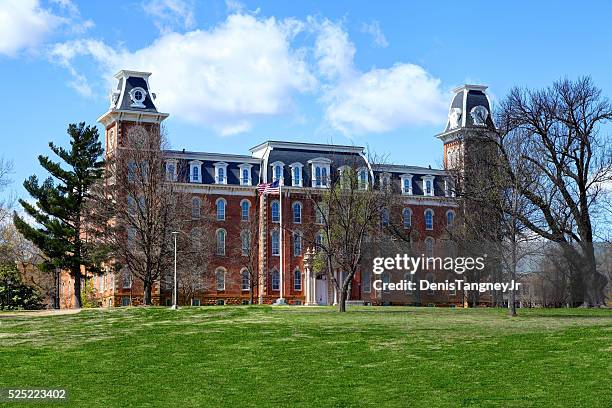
569,161
143,207
354,213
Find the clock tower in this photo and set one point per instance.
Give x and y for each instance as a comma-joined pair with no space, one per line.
132,104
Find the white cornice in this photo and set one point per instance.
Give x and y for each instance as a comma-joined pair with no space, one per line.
116,115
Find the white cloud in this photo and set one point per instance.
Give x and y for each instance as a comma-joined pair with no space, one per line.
382,100
377,35
333,50
225,78
24,24
249,67
234,6
168,14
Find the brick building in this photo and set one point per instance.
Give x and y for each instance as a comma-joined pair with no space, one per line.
229,183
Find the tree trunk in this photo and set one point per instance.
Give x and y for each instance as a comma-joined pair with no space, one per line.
78,302
147,292
251,295
342,302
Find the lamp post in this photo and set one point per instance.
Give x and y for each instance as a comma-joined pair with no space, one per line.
175,288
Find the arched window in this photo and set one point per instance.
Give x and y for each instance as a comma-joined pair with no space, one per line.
428,190
297,213
195,236
320,212
384,217
220,276
245,206
407,218
245,241
297,280
221,242
275,206
195,207
275,243
127,278
221,175
363,179
220,209
386,279
450,218
319,240
429,214
318,176
297,244
275,280
278,172
429,247
324,176
431,279
296,173
366,282
246,179
131,206
245,280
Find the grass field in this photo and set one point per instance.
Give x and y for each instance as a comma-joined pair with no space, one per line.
297,356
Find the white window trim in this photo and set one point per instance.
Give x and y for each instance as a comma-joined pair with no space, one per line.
242,167
224,241
381,180
173,176
272,242
249,211
301,280
282,166
446,216
433,186
404,177
299,167
192,164
224,209
322,163
367,180
220,165
301,211
224,271
433,215
448,190
242,272
271,212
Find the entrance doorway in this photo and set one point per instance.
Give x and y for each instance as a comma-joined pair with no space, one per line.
321,290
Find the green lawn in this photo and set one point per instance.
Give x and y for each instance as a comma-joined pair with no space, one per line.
297,356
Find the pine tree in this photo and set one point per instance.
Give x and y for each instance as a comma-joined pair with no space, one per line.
59,211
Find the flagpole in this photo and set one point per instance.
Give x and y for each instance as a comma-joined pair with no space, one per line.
282,258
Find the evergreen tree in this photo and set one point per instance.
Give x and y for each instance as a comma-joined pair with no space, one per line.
60,232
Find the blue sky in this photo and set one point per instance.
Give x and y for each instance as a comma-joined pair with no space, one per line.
233,74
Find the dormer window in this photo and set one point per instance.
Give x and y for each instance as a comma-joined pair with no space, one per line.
137,95
245,174
345,176
428,186
194,171
449,191
320,172
363,178
385,181
171,173
296,174
220,173
277,171
406,180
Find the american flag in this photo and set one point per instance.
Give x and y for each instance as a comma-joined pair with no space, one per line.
269,188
